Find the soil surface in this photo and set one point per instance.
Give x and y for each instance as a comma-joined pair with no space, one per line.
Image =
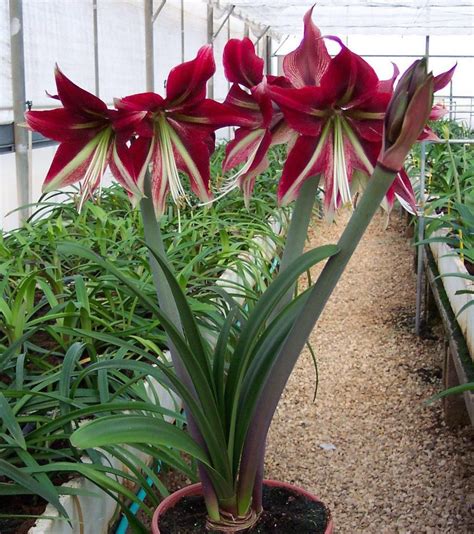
370,446
285,512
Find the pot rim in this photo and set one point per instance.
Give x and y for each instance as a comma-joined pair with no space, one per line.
195,489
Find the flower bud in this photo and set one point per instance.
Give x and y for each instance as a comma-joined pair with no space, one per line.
407,114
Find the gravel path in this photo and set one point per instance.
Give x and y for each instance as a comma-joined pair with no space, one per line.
380,458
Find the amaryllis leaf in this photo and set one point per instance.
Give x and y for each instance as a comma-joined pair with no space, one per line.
31,484
259,316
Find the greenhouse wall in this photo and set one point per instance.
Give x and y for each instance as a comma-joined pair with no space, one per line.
62,32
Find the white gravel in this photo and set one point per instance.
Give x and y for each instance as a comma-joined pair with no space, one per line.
370,447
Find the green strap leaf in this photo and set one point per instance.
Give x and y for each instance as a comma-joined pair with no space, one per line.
11,424
30,484
122,429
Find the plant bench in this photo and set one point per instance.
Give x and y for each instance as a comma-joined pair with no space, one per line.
458,363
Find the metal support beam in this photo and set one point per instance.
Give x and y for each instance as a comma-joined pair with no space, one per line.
158,11
268,54
280,45
182,31
262,35
421,234
96,46
149,48
210,33
19,103
229,13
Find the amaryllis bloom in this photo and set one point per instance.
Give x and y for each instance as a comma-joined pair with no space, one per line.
249,96
337,106
92,137
177,132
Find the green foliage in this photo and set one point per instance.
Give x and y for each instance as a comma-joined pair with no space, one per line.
77,342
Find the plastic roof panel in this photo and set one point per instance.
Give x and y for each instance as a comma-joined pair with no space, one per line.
402,17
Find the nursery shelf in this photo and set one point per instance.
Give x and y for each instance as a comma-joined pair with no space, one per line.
458,363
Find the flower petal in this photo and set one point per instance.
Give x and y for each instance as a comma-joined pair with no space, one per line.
443,79
386,86
241,64
258,165
140,102
348,76
307,64
70,163
122,166
308,157
76,99
62,125
159,181
403,190
304,108
216,115
437,112
186,83
261,95
192,157
239,149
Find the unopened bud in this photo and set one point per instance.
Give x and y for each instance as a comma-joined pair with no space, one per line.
407,114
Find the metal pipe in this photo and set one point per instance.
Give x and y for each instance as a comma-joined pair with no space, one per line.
149,49
210,33
229,13
421,233
17,52
158,11
96,45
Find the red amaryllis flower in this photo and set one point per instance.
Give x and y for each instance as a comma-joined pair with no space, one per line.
337,107
91,136
177,133
249,95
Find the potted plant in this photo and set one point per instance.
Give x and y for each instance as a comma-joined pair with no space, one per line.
340,121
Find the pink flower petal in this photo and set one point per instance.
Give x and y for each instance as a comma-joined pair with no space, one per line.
307,64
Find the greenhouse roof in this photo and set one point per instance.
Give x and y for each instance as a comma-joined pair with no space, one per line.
401,17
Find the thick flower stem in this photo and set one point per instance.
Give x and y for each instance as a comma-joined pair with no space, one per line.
294,245
154,239
299,224
255,442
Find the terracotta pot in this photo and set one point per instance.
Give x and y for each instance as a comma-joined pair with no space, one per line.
195,489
